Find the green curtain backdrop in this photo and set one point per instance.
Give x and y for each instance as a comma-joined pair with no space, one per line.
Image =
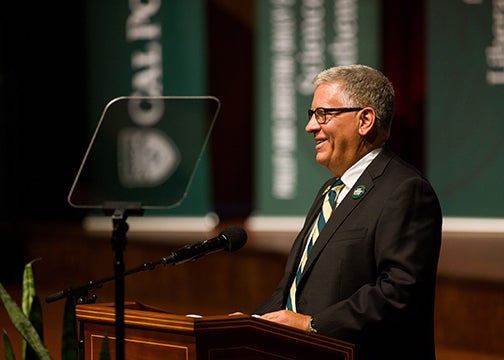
149,48
296,40
465,93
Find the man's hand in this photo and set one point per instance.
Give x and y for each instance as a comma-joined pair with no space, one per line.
289,318
236,313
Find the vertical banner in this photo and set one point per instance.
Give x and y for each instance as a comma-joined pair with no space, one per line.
150,48
296,39
465,92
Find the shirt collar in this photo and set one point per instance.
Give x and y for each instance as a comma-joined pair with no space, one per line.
353,173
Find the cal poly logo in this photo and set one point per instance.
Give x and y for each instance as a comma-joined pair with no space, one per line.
358,191
147,156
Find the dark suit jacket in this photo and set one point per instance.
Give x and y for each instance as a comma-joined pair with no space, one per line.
370,277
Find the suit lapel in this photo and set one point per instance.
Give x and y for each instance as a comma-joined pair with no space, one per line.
349,203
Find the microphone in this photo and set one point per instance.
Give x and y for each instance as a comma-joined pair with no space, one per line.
232,238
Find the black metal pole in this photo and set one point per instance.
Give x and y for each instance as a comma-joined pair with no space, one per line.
118,245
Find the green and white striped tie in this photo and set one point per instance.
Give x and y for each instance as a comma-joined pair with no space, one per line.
325,213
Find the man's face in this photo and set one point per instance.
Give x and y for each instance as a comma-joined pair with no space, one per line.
337,141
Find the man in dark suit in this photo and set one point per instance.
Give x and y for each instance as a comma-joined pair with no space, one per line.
370,275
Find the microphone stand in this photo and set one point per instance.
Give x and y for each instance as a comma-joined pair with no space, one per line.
235,238
188,252
80,293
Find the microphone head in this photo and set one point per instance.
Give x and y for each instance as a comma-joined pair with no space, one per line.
236,237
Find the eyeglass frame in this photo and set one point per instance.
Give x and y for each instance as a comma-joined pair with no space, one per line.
326,110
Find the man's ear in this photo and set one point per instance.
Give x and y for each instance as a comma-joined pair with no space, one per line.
367,121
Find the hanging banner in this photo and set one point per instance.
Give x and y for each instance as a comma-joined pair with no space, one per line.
465,129
149,49
296,39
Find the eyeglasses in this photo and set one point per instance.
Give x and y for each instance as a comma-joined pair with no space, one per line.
320,112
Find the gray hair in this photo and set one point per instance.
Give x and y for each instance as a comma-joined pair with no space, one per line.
363,86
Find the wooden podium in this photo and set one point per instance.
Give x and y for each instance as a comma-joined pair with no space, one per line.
152,333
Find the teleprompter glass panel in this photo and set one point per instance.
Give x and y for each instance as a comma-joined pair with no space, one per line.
144,150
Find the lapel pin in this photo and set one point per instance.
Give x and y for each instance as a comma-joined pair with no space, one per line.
358,191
